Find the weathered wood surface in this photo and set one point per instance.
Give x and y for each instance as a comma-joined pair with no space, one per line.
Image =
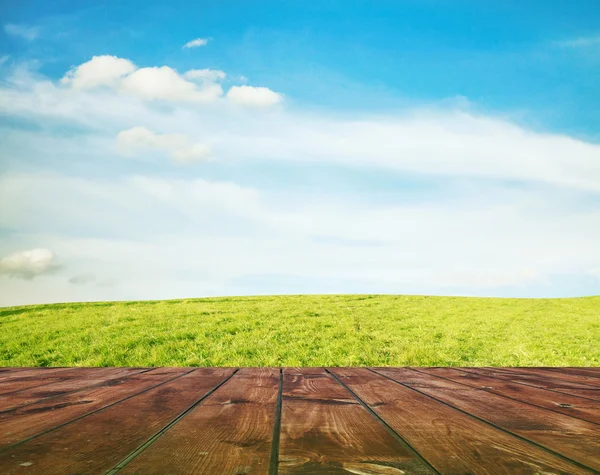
230,432
324,429
387,421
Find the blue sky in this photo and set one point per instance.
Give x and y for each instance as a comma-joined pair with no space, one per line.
298,147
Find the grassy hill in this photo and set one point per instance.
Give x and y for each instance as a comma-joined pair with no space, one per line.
336,330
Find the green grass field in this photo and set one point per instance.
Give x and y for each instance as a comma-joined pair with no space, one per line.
350,330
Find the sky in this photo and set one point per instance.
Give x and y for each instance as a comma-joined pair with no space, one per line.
158,150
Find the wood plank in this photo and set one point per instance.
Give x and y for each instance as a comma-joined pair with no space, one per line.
583,371
18,384
30,372
306,371
573,438
98,442
8,370
230,432
574,406
21,423
448,439
587,380
325,430
85,380
35,378
544,383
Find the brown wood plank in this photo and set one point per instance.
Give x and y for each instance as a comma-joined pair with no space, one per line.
18,384
34,378
84,380
574,406
587,380
98,442
573,438
583,371
19,424
325,430
544,383
448,439
8,370
30,372
307,370
230,432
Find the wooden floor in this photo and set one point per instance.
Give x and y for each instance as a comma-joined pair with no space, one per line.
299,420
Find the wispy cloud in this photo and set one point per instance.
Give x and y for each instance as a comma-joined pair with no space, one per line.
581,42
139,139
29,33
196,43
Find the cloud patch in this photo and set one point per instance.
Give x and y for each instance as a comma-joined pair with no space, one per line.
29,264
254,96
196,43
99,71
581,42
205,74
167,84
151,83
28,33
137,140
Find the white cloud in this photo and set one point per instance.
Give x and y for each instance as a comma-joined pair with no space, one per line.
205,74
172,237
165,83
28,33
196,43
440,143
138,140
99,71
253,96
158,230
153,83
581,42
28,264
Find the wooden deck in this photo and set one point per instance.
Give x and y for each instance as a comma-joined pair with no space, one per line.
299,420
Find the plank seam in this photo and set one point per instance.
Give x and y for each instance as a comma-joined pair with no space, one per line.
91,386
550,451
274,460
559,391
123,463
503,395
93,412
385,425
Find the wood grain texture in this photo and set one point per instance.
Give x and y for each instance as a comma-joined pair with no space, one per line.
325,430
338,420
12,373
587,380
565,387
450,440
19,424
576,370
83,380
229,433
570,437
18,381
574,406
98,442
